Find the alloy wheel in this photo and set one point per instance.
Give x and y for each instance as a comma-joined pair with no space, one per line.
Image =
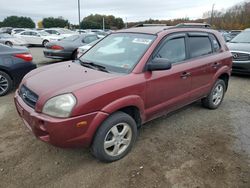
118,139
218,94
3,84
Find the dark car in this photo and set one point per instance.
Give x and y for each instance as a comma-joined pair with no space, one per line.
15,62
67,48
127,79
240,49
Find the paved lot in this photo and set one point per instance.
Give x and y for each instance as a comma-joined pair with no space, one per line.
193,147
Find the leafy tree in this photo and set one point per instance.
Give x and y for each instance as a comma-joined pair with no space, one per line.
55,22
16,21
96,22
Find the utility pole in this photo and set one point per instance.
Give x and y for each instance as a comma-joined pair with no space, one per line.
212,15
79,14
103,24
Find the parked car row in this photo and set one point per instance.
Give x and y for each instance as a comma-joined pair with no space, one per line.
229,35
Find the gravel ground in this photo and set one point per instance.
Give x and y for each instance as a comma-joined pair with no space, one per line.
193,147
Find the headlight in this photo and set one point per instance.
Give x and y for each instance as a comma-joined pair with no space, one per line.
60,106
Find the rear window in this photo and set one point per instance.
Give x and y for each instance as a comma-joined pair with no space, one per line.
199,46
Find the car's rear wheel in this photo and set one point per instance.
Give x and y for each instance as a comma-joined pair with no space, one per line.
5,83
45,42
8,43
216,95
115,138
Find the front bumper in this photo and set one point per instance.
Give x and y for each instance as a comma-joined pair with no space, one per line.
69,132
57,54
241,67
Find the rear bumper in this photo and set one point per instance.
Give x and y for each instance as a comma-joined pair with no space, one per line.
241,67
57,54
69,132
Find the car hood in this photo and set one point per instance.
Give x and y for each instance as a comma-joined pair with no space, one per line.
67,77
244,47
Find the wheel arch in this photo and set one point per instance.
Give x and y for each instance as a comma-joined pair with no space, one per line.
7,72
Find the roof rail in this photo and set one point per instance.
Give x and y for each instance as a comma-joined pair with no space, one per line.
193,25
149,25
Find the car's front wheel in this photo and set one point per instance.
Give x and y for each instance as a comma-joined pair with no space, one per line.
5,83
115,137
216,95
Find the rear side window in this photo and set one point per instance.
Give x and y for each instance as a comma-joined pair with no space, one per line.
215,43
174,50
199,46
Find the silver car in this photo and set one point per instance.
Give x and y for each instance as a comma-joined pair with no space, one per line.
240,49
10,40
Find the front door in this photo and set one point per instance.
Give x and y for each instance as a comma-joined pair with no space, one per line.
168,90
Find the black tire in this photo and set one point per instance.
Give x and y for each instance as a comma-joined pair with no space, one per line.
8,43
74,55
5,83
45,42
104,132
209,102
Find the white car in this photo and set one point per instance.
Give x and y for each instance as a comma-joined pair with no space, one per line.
81,50
37,37
11,40
60,32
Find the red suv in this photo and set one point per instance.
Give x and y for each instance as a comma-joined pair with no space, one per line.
128,78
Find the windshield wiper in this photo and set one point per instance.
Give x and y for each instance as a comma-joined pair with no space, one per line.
93,65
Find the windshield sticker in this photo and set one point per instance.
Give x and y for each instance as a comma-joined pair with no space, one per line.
142,41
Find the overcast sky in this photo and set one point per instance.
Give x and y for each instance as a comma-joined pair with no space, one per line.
130,10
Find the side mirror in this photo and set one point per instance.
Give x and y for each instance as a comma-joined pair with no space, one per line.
159,64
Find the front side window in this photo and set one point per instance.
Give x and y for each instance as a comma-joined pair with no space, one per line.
199,46
119,52
173,50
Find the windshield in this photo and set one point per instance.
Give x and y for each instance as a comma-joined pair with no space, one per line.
119,52
43,33
243,37
5,35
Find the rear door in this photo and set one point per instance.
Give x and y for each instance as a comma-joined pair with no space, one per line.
201,59
168,90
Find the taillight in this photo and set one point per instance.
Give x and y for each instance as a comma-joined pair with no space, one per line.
56,47
25,56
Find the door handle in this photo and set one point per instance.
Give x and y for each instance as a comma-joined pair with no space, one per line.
184,75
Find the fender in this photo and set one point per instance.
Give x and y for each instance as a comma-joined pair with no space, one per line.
222,70
131,100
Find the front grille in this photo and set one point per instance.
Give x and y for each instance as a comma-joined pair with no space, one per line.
28,96
239,56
